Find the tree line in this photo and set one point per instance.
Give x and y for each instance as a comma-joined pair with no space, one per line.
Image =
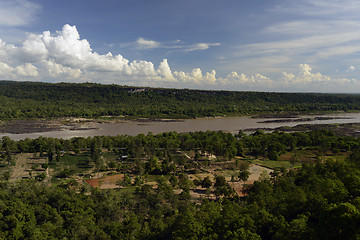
218,143
24,100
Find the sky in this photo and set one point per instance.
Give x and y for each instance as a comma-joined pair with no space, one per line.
241,45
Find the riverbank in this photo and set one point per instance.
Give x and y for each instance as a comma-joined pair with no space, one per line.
63,124
345,129
40,126
29,126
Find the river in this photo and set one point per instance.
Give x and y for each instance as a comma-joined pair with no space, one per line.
229,124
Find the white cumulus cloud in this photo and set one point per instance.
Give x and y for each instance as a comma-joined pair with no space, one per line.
25,70
5,70
65,55
57,70
351,69
305,80
165,71
305,76
196,77
67,49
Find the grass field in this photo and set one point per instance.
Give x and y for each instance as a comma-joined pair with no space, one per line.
78,160
276,164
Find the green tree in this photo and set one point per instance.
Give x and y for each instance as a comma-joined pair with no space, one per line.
244,172
206,182
153,166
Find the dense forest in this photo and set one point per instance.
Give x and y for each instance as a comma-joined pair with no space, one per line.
319,200
24,100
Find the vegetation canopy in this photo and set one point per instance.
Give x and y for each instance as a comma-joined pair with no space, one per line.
154,199
23,100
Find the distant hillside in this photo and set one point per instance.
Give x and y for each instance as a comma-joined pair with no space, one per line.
21,100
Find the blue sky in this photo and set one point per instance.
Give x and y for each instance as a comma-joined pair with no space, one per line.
257,45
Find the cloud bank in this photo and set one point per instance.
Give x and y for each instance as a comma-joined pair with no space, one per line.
64,56
143,44
17,12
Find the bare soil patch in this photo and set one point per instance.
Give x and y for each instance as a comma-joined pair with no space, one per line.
108,182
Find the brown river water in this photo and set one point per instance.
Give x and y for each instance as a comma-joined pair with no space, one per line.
228,124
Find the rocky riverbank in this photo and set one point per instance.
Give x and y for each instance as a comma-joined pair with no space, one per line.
343,129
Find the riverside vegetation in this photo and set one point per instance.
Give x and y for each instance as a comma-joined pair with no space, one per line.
24,100
315,196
